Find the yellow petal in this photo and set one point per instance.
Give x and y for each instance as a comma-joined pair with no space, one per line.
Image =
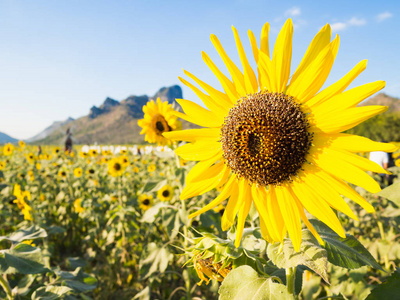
275,214
343,120
319,42
349,98
352,143
345,190
282,56
234,203
243,212
200,150
266,226
191,135
264,44
317,207
227,85
207,100
309,81
197,114
202,186
346,171
250,80
339,86
200,169
225,193
237,76
290,215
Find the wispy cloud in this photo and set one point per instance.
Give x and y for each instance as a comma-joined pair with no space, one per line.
293,11
354,21
383,16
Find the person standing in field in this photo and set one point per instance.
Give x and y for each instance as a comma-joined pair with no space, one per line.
382,159
68,141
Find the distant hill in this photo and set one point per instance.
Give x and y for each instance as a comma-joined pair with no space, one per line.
383,127
113,122
5,138
49,130
383,99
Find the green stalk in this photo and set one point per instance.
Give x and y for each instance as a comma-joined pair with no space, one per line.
6,286
290,281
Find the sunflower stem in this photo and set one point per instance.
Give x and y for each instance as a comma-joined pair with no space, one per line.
4,283
290,281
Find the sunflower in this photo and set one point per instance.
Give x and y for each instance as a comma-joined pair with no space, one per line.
21,203
8,149
151,168
145,201
83,154
22,144
275,140
78,205
78,172
165,193
56,150
397,162
38,166
62,173
90,172
135,170
93,152
2,165
124,160
115,167
158,118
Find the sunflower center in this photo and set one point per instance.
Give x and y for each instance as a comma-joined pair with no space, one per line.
160,125
165,193
117,167
146,202
265,138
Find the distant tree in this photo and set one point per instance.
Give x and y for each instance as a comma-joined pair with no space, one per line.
382,127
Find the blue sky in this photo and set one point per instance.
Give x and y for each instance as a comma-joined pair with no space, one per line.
59,58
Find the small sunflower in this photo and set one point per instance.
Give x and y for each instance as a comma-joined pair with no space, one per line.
62,174
115,167
56,150
2,165
158,118
21,144
124,160
151,168
145,201
78,172
165,193
38,166
397,162
8,149
93,152
90,171
275,139
83,154
135,170
78,206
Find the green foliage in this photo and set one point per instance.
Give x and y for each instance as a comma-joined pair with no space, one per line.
384,127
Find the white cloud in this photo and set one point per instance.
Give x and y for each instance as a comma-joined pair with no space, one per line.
354,21
383,16
338,26
294,11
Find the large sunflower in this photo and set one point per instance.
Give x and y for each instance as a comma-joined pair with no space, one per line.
158,118
274,140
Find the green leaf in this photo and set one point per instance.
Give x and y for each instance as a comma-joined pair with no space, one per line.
244,283
392,192
390,289
78,280
150,214
152,186
24,259
31,233
156,261
344,252
50,292
311,255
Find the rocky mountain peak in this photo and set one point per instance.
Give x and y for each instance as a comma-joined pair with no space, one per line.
169,93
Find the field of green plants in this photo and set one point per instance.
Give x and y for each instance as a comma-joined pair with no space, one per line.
102,225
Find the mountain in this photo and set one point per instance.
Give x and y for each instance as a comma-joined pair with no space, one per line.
49,130
113,122
383,99
5,138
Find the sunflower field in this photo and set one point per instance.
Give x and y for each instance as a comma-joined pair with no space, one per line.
99,225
